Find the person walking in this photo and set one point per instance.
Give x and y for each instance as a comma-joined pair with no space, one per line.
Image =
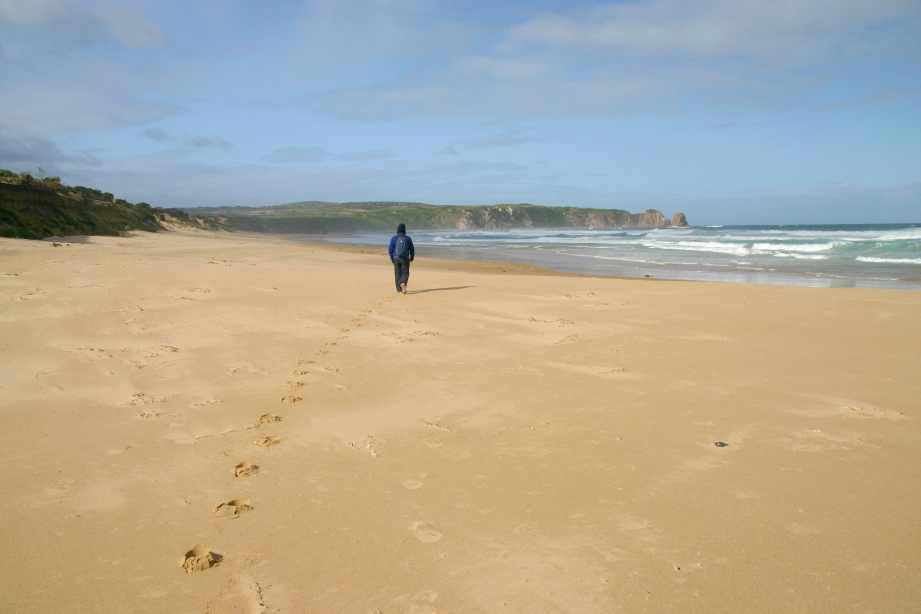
402,252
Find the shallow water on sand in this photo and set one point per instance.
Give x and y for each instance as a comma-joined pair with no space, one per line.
856,255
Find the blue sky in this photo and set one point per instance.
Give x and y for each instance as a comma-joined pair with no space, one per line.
731,111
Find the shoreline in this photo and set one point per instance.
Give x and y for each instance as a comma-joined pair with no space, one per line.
598,259
211,422
468,265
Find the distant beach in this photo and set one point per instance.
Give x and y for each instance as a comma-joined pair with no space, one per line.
857,255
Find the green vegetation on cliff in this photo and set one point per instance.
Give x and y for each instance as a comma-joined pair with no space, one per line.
35,208
319,217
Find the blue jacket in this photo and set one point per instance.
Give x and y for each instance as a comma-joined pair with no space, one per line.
393,246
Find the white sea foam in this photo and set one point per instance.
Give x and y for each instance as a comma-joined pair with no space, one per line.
800,256
908,234
787,254
893,260
782,247
701,246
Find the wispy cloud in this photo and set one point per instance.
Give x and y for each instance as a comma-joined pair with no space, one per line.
361,156
213,141
893,94
28,150
510,135
658,56
158,135
294,155
24,153
381,86
65,24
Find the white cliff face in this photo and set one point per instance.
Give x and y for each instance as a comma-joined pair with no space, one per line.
511,216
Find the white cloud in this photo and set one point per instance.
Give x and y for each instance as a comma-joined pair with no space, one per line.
130,29
362,156
654,56
163,180
158,135
32,12
893,94
294,155
211,142
338,41
66,24
77,95
509,135
18,151
31,152
68,67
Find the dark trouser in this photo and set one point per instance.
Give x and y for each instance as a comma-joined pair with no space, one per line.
401,271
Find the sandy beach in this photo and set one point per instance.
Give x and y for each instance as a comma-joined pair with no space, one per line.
501,439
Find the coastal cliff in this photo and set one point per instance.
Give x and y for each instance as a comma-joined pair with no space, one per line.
34,208
317,217
40,207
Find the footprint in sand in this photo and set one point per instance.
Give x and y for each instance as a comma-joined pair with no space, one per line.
561,322
294,385
267,442
291,398
245,469
613,371
870,412
142,398
268,419
412,484
200,558
304,362
232,509
115,451
425,533
148,415
300,372
812,440
568,339
59,488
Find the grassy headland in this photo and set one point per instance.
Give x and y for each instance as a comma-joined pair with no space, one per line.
39,207
35,208
320,217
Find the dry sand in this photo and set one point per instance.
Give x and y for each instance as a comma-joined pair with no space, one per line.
232,424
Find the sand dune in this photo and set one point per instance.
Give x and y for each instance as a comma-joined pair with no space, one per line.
232,424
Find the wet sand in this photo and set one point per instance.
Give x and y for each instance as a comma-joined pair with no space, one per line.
197,422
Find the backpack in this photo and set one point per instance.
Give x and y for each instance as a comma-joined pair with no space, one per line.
401,249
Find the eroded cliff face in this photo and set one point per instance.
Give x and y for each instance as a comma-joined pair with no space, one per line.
504,217
382,217
679,220
652,219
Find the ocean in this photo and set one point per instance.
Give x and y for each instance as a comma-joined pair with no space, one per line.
860,255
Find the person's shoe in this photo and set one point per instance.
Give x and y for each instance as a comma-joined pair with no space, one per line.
403,288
